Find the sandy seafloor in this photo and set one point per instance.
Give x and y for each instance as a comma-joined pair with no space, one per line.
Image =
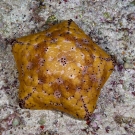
111,24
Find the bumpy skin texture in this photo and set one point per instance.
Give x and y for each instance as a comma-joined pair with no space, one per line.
61,69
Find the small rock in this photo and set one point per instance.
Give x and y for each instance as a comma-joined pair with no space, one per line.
16,121
41,121
131,17
128,65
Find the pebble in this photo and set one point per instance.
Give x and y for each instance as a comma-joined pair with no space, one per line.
41,121
128,65
16,121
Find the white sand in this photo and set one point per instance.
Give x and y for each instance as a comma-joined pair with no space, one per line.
110,23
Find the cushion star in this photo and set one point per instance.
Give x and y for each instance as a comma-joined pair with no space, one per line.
61,69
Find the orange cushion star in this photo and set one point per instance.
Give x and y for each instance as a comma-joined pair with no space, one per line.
61,69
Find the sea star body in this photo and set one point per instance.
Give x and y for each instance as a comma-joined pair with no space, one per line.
61,69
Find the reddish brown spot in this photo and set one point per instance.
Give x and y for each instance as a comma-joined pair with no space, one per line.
133,93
